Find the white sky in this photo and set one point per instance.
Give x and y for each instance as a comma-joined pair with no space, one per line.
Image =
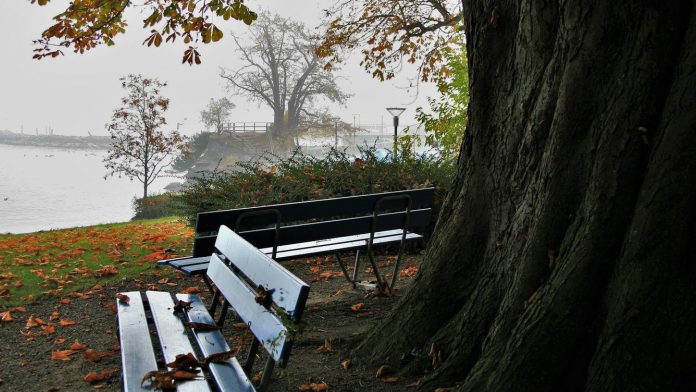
75,93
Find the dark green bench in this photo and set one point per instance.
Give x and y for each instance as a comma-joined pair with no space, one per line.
311,228
238,270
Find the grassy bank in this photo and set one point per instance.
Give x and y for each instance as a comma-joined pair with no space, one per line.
69,261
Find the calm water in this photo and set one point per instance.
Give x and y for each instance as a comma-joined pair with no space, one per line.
50,188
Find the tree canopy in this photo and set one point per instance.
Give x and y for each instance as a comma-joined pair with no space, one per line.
86,24
389,32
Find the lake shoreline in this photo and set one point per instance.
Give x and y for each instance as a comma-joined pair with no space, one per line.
55,141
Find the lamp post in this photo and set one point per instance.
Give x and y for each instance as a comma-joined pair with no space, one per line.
395,112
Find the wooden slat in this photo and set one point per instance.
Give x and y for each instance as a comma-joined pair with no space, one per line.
179,264
137,354
229,376
176,259
321,230
198,269
315,209
290,292
172,336
316,248
341,247
265,325
336,241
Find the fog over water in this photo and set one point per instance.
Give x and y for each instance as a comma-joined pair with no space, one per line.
49,188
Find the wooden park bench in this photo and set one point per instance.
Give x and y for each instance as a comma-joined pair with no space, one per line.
312,228
265,296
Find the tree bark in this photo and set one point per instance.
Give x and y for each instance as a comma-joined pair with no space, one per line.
564,256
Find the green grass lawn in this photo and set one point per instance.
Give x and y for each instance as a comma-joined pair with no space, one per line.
61,262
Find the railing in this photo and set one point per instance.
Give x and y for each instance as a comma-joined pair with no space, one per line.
244,127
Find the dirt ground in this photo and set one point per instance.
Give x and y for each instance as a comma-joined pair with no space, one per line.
26,362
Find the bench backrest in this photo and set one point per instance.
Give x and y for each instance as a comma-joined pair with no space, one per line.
238,269
317,219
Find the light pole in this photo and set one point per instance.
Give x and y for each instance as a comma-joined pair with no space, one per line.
395,112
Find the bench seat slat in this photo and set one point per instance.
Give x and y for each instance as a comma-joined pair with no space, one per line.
172,336
291,293
392,235
317,248
333,248
137,354
229,376
265,325
188,261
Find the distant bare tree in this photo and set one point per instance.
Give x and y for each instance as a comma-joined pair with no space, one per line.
282,71
216,113
139,148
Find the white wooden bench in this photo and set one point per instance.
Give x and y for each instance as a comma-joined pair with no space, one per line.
246,277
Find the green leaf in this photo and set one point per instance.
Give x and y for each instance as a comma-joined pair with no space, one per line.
217,34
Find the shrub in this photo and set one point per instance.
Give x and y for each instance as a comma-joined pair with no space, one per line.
272,180
156,206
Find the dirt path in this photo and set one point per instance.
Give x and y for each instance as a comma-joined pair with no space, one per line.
26,362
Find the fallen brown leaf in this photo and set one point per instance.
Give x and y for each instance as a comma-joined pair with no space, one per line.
95,356
48,329
325,348
184,362
77,346
63,355
191,290
314,387
122,298
390,380
220,357
65,323
93,377
409,271
346,364
6,317
383,371
33,322
357,307
182,305
256,378
107,270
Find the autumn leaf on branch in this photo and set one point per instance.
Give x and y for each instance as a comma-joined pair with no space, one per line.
87,24
389,33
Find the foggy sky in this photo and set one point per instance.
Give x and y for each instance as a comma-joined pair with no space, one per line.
75,94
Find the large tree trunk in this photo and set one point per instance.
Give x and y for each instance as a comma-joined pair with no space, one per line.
564,256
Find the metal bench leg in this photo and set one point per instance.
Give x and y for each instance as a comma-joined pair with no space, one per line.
251,356
380,283
223,312
208,283
214,302
267,371
345,271
396,265
357,266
